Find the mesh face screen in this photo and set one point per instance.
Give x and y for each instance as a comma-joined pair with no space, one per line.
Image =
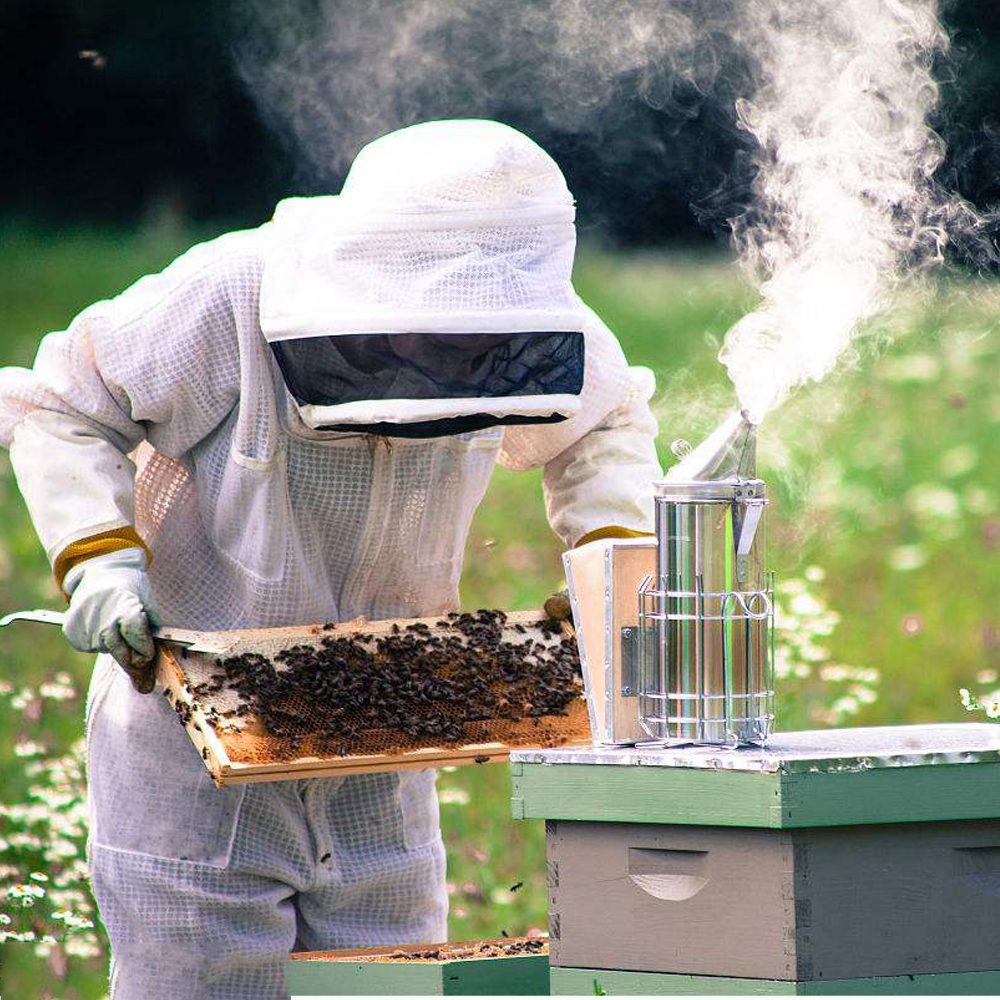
347,368
446,683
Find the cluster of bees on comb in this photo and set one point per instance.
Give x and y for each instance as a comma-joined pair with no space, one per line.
479,949
414,685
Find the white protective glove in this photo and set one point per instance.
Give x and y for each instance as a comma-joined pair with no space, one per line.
111,611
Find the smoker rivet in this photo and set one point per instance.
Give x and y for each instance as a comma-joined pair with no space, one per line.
626,633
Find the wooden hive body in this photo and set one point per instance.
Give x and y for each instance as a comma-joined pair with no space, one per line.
811,903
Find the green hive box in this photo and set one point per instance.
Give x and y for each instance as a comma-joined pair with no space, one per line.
457,971
841,859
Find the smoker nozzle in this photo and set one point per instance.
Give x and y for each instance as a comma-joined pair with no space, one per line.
729,452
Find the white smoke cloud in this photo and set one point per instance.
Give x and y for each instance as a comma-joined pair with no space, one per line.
846,204
333,74
834,98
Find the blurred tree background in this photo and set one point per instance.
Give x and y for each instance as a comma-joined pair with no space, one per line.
118,111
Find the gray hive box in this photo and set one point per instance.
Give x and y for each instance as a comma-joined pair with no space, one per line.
852,861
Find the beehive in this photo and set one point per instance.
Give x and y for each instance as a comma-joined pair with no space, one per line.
843,861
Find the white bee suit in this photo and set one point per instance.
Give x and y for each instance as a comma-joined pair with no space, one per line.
256,515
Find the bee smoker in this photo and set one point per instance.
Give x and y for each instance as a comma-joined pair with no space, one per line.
706,617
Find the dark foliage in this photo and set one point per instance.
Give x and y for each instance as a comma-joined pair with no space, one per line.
116,110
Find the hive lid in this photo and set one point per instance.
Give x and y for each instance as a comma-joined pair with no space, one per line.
838,777
809,751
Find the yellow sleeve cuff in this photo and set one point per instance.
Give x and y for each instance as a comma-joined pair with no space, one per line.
611,531
96,545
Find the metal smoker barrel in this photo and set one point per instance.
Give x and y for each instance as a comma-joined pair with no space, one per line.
707,617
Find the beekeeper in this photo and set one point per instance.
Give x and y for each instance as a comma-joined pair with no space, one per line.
294,424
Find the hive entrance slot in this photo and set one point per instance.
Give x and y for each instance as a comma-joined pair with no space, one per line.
667,874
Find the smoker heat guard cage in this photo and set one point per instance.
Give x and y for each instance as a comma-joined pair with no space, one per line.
706,618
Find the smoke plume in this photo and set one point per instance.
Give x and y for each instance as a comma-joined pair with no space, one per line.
845,198
331,75
831,201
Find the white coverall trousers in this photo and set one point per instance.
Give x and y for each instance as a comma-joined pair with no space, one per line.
209,904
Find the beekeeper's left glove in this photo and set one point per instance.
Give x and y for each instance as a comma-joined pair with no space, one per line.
111,611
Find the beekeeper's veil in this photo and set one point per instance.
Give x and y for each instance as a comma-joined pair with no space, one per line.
432,296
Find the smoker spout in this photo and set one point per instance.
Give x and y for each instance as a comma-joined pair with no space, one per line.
729,452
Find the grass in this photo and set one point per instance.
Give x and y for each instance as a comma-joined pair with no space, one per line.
885,527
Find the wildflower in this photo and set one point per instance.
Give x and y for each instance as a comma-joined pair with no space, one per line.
45,945
848,705
813,653
82,947
835,672
959,460
805,605
932,500
911,368
55,691
905,558
454,797
979,501
26,894
22,699
864,694
17,935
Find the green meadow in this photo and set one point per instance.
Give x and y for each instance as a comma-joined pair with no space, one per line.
884,534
